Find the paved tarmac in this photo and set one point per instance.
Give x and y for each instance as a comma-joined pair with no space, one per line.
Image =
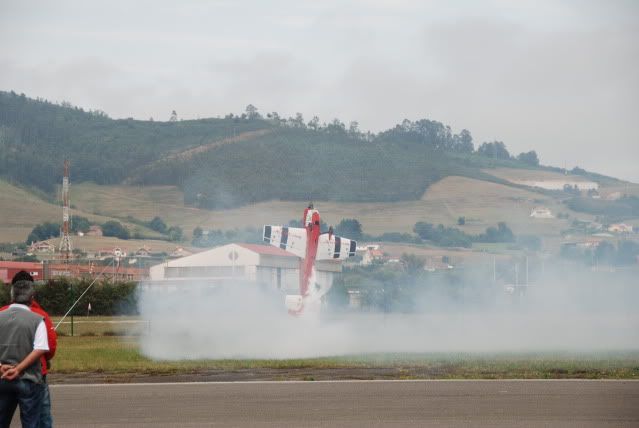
570,403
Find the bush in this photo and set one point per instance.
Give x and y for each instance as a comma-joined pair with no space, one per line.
158,225
444,236
115,228
43,231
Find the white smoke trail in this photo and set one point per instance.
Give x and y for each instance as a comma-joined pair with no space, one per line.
240,321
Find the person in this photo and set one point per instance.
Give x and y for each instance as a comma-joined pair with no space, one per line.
23,341
46,419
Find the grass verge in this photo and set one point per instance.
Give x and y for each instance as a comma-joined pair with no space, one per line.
121,355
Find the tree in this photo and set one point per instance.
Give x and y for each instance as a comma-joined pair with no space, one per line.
80,224
173,117
443,236
501,233
158,225
175,233
251,112
496,150
349,228
116,229
298,121
463,142
43,231
197,232
424,230
461,221
353,129
314,123
412,264
336,127
529,158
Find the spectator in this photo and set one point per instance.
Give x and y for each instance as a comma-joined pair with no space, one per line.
23,341
46,419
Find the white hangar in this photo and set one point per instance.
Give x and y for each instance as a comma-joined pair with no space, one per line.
264,265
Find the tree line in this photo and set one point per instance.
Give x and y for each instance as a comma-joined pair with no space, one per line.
106,298
324,161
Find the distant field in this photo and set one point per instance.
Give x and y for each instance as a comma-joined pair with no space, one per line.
512,174
21,210
482,203
119,356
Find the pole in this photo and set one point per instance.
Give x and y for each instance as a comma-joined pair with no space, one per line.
76,302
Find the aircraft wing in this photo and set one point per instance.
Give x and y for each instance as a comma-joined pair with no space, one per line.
291,239
335,247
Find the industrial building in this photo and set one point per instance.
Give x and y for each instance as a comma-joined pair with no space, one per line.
9,269
267,266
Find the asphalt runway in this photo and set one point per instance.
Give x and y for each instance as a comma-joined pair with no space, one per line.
570,403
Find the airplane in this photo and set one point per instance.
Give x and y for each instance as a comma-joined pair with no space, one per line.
310,245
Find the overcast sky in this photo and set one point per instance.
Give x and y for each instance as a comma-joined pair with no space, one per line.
560,77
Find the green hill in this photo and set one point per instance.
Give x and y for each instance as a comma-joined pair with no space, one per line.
36,136
239,160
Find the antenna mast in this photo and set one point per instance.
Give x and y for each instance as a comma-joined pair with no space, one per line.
65,242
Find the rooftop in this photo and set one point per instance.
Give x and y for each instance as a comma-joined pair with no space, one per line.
20,265
267,250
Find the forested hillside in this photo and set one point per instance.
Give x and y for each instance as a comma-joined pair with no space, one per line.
36,136
246,158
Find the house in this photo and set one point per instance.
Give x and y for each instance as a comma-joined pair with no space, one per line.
541,212
105,253
143,251
591,243
437,263
373,253
94,230
180,252
620,228
559,184
613,196
232,263
42,247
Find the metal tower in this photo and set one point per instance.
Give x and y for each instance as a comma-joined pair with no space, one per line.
65,242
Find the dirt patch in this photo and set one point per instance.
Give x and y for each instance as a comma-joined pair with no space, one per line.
243,375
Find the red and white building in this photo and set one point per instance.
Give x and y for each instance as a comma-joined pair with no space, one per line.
9,269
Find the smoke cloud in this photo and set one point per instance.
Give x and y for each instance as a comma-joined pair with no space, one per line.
562,311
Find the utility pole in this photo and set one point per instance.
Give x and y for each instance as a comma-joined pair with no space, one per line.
65,242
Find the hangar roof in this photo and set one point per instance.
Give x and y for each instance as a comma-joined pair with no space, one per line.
267,250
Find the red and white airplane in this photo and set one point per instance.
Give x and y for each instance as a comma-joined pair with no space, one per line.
310,245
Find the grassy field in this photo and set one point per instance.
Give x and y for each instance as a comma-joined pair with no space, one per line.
482,203
100,326
108,346
120,355
21,210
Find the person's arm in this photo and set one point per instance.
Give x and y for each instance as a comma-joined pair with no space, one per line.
52,336
30,359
